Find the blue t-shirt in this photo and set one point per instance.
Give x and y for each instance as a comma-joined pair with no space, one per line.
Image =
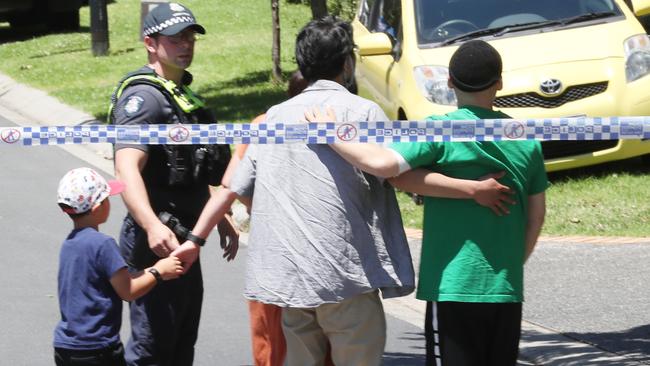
91,310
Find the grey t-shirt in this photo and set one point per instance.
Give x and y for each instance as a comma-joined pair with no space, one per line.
321,230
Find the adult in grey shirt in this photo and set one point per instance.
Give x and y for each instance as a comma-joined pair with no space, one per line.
325,237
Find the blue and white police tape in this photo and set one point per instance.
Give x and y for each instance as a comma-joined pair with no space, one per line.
564,129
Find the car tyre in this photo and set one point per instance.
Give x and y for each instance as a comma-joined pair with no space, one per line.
64,21
646,159
23,20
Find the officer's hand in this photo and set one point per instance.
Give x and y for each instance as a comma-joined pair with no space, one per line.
229,236
494,195
188,252
162,240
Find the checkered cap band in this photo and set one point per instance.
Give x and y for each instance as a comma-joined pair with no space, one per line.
168,23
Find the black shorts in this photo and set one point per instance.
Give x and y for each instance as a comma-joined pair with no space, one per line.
472,334
111,356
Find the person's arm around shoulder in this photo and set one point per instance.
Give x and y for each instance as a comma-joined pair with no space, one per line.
388,163
130,288
487,191
371,158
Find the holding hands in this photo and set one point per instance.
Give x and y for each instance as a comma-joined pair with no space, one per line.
162,240
169,268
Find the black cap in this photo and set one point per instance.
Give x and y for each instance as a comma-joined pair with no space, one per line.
475,66
169,19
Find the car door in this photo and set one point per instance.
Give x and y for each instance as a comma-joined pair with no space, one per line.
374,72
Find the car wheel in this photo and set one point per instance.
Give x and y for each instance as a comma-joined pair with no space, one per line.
64,21
645,159
23,20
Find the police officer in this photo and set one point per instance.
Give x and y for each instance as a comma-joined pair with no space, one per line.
173,179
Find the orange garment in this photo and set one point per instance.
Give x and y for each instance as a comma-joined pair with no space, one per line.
269,346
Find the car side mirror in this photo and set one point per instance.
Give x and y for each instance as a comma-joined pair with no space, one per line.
376,44
641,7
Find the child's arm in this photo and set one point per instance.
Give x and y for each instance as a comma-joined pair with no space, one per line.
213,212
371,158
487,191
130,288
536,213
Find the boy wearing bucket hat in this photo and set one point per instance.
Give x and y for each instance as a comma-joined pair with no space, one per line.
93,278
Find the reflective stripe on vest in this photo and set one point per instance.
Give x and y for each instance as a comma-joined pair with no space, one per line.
184,98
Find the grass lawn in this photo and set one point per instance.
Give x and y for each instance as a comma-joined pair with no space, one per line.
232,70
232,61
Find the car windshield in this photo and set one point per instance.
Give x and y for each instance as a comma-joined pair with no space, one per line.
448,21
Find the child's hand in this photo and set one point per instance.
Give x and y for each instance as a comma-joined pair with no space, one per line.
188,253
169,268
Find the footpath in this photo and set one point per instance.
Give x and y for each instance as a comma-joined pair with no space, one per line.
541,344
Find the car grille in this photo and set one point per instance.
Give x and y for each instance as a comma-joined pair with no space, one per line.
533,99
560,149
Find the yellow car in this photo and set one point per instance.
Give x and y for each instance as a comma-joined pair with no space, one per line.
561,58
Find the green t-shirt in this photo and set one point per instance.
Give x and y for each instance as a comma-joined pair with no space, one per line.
469,254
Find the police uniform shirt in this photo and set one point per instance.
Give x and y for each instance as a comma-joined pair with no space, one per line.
140,105
145,104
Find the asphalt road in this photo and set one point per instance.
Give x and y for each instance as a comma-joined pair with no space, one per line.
594,293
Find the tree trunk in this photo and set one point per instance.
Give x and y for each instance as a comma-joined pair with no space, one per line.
275,11
318,8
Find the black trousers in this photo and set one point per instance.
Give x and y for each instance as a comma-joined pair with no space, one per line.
165,321
112,356
472,334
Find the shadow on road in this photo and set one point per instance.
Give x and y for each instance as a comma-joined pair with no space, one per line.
634,343
403,359
630,347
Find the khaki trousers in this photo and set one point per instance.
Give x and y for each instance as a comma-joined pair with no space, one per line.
355,328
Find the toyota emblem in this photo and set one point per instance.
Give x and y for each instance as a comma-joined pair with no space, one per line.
551,86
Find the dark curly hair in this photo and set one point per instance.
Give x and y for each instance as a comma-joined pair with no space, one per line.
322,47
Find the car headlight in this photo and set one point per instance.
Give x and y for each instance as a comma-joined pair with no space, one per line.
637,57
432,82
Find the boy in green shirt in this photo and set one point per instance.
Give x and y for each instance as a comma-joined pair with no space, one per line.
471,268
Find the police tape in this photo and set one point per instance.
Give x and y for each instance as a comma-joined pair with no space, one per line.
543,129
